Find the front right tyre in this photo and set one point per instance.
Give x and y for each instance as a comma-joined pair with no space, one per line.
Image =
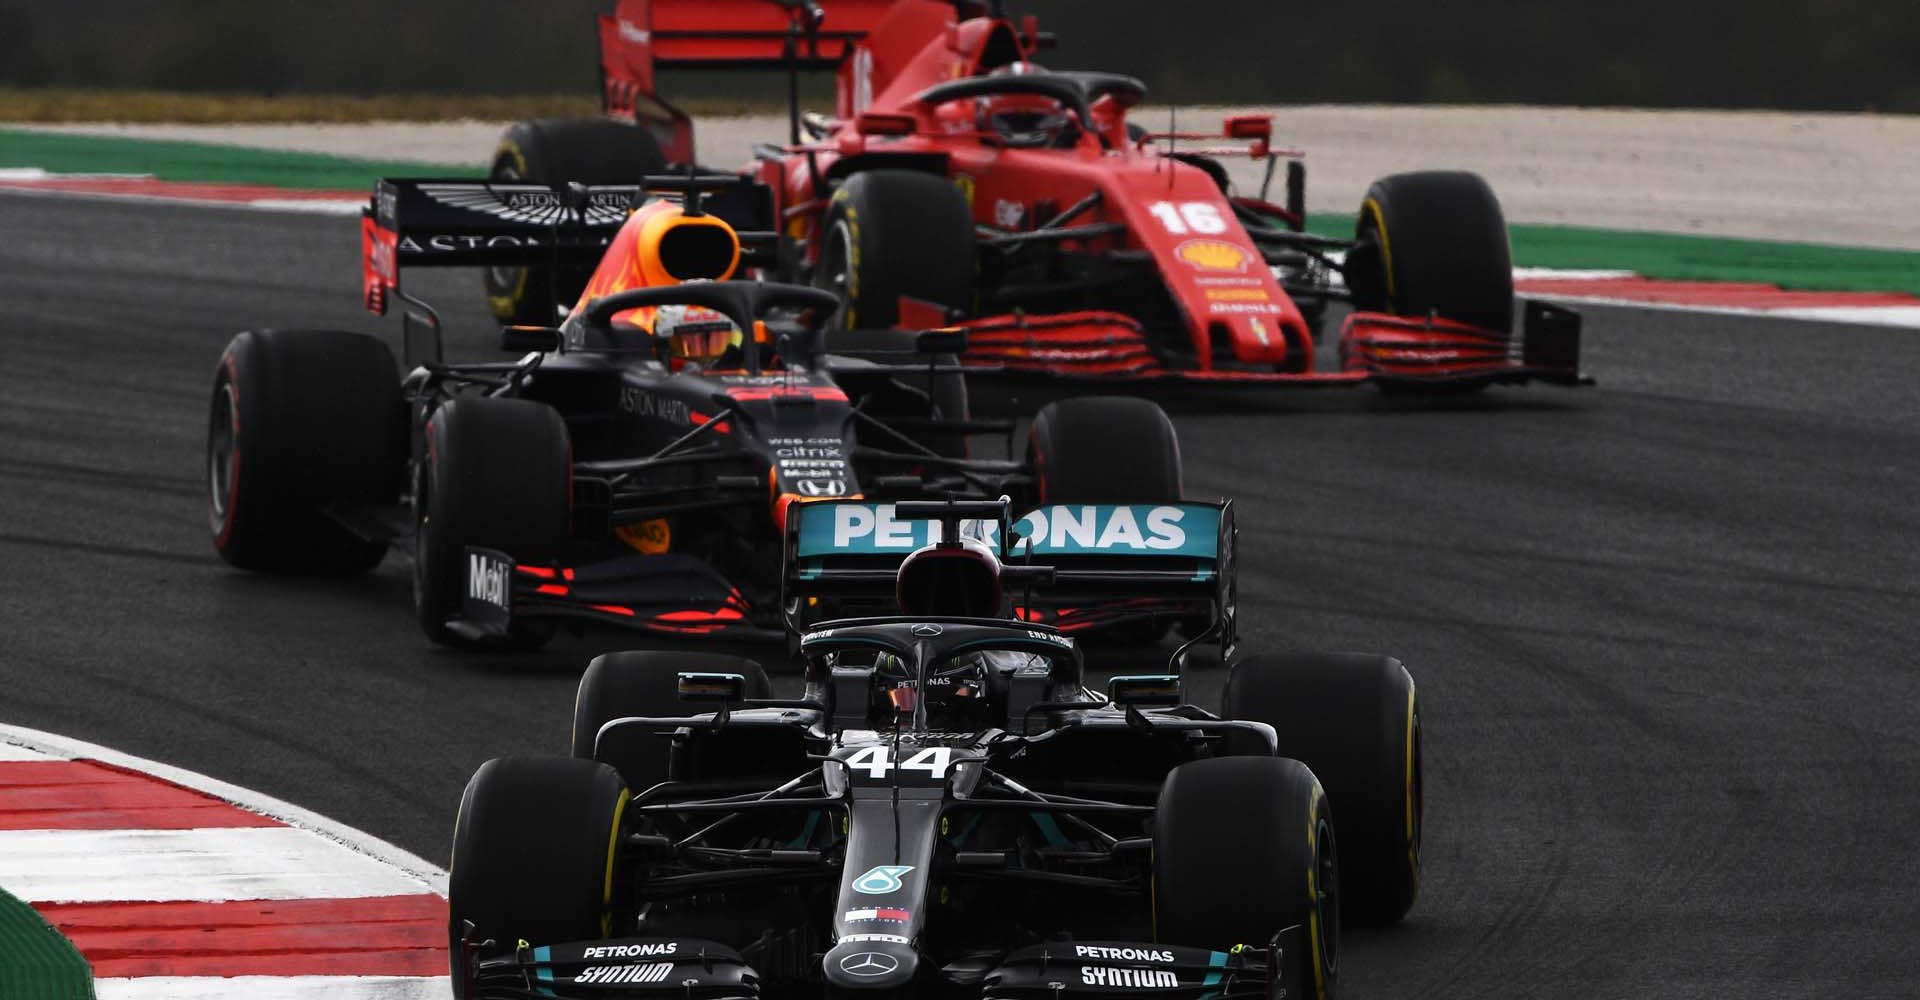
1243,848
1355,719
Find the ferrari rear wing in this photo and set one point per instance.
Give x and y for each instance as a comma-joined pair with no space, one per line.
430,222
1075,566
642,36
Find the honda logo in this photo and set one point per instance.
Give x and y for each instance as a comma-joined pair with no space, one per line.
822,487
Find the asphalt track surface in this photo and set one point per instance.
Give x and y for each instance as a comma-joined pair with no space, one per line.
1663,629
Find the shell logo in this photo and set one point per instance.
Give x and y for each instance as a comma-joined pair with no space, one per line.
1213,255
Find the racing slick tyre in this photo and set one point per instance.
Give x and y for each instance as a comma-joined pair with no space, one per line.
1107,449
1434,242
495,473
555,151
890,233
1243,848
1104,449
533,854
1355,719
647,683
301,421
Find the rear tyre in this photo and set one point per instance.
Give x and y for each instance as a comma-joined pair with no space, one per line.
890,233
1107,449
497,473
301,421
1355,719
1104,449
647,683
533,854
1243,847
556,151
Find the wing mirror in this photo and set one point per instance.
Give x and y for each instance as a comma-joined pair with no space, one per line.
946,340
1144,689
529,338
728,689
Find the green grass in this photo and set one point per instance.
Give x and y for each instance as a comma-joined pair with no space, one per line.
1656,255
35,960
193,161
1677,257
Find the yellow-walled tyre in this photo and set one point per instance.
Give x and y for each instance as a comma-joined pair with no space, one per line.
556,151
1355,719
1433,242
533,854
1243,848
890,233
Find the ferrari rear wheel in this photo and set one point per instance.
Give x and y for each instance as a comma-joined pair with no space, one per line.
555,151
1243,848
646,683
1355,719
302,422
496,474
534,854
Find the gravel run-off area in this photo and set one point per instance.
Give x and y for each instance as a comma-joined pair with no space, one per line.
1823,178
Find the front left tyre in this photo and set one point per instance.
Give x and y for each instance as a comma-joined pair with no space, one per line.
534,854
302,424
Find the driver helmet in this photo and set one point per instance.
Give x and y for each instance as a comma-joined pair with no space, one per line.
1022,121
693,334
959,579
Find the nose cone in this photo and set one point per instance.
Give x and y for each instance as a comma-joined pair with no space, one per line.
870,965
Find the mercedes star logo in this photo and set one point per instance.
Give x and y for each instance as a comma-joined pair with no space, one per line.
869,963
926,629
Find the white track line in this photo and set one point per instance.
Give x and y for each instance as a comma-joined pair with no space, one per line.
211,865
275,988
307,206
1891,316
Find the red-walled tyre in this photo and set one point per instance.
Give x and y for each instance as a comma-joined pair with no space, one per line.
302,423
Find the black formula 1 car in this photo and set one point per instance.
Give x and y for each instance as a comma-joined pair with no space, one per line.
619,470
947,809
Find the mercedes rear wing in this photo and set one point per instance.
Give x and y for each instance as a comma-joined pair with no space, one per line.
431,222
1077,567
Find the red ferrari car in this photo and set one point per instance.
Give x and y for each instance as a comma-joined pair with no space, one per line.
960,183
